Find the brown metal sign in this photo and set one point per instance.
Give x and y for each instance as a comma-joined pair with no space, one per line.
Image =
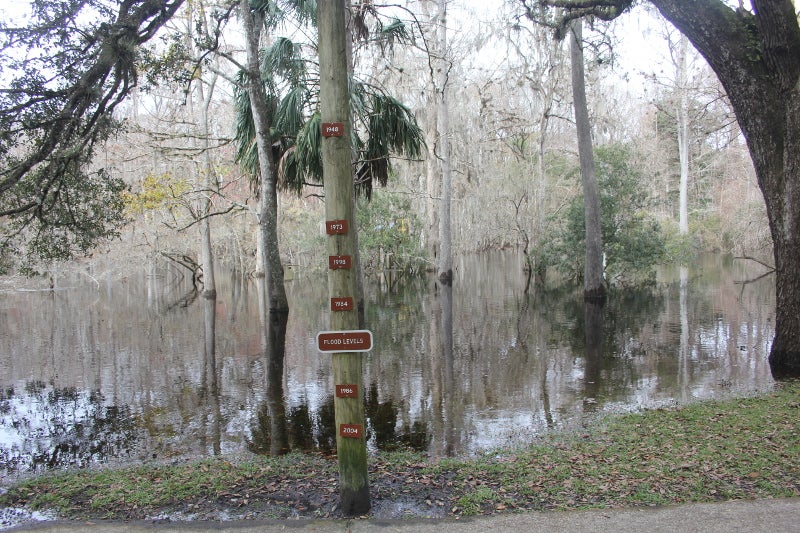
347,391
337,262
357,340
351,431
332,129
336,227
342,304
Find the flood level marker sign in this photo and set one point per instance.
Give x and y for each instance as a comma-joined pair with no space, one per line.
355,340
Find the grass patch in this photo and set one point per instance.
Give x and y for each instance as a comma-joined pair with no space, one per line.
735,449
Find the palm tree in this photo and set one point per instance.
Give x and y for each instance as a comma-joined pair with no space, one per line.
382,125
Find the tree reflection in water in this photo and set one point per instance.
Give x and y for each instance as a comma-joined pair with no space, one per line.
44,427
123,374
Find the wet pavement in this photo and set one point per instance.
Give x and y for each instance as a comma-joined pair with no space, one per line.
751,516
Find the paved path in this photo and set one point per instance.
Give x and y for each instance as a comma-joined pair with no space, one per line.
767,516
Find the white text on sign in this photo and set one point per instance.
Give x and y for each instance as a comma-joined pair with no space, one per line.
332,129
351,431
359,340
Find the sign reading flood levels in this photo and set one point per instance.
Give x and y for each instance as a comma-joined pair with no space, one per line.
356,340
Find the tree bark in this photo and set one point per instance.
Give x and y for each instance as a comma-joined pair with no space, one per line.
443,144
593,286
682,114
268,212
337,152
209,185
757,60
433,181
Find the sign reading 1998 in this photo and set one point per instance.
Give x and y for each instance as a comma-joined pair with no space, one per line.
356,340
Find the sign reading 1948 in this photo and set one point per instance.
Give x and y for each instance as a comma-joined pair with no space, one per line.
356,340
332,129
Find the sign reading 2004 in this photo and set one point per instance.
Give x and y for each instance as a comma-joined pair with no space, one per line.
356,340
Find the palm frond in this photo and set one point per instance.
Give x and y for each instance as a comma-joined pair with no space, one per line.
270,10
304,10
304,159
359,97
289,116
283,60
392,129
394,32
245,133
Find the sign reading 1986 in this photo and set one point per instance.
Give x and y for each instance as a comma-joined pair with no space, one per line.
355,340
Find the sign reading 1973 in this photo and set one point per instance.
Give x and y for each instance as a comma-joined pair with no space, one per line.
336,227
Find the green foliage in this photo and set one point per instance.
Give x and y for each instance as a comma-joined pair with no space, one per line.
73,216
157,192
678,248
387,224
169,64
383,126
64,71
632,240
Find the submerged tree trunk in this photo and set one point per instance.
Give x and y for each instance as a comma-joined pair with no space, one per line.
757,60
268,206
433,181
683,131
445,263
209,185
594,288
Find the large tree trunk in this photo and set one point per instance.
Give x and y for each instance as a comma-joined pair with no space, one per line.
445,265
337,156
757,60
357,265
268,212
209,185
593,287
682,114
433,179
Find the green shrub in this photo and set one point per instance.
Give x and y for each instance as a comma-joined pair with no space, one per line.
389,232
633,240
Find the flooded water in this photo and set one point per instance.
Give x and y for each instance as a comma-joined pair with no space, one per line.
104,370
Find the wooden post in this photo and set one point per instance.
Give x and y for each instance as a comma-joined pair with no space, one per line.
342,283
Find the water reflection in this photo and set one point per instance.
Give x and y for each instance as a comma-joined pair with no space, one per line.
45,427
119,372
209,389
